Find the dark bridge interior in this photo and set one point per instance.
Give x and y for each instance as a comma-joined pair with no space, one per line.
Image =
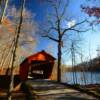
41,69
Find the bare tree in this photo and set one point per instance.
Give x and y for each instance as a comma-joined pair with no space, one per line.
83,67
9,97
3,4
75,50
98,51
90,64
73,62
56,31
73,54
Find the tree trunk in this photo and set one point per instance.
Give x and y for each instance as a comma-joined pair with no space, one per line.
59,62
73,65
18,29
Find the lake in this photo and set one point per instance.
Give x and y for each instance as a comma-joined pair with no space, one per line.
82,78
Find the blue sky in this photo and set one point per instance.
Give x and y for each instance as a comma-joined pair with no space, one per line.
41,10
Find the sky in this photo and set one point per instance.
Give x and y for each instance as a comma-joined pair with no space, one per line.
40,10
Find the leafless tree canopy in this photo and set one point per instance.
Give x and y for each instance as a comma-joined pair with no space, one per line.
56,31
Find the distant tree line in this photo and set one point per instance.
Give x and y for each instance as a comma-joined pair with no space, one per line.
92,65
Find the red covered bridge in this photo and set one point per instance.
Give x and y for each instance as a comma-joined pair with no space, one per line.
39,65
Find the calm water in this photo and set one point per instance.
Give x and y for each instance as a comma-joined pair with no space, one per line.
89,78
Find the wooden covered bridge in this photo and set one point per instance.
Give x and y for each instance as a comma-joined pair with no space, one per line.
38,66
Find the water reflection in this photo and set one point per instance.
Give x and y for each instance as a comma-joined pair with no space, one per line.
82,78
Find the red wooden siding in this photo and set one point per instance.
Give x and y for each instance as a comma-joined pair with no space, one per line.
25,65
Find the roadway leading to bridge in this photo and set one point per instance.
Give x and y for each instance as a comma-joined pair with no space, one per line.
49,90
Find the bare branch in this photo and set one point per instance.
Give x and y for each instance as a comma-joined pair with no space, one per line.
50,22
50,29
56,10
80,30
64,10
51,38
72,28
53,28
59,3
